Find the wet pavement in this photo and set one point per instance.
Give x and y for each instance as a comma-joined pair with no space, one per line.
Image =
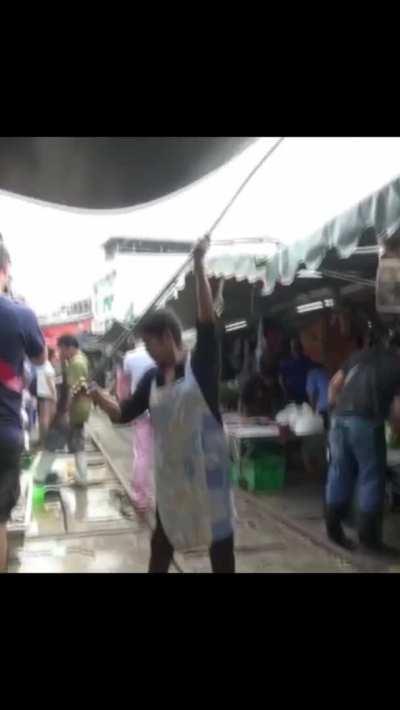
96,529
92,529
299,506
266,545
263,543
123,552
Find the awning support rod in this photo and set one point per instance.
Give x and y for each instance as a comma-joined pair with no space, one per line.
343,276
182,270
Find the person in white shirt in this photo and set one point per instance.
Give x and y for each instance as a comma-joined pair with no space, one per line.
136,363
46,394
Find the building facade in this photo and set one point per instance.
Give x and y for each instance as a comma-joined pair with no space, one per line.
134,270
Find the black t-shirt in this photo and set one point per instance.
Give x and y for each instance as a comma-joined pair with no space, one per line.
205,362
372,380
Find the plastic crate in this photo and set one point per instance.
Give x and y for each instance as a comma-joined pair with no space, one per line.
264,473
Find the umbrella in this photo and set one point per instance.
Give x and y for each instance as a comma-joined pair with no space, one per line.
109,172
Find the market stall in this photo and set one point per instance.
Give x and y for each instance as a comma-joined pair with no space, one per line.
314,273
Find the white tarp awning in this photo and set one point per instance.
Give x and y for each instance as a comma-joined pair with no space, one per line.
311,195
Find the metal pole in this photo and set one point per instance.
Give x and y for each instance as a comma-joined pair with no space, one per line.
185,266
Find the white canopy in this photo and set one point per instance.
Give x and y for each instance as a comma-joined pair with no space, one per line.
311,195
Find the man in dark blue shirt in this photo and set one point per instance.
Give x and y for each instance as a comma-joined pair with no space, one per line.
20,337
365,393
293,373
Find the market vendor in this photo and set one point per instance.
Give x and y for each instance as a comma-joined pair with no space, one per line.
293,372
262,395
192,467
317,385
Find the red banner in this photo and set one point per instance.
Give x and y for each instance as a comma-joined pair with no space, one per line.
53,332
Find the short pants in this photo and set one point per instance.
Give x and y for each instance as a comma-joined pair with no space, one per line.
72,436
10,468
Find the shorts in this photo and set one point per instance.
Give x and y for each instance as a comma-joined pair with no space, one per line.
10,468
72,436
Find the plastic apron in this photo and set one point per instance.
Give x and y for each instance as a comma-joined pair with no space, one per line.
192,465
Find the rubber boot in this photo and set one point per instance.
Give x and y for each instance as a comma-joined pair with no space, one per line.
370,530
370,527
334,514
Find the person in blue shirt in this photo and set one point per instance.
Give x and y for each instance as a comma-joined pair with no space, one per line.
293,373
317,386
363,395
20,337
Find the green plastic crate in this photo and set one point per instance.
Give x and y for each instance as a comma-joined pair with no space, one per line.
264,473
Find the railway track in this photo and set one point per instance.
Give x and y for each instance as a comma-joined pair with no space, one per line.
77,529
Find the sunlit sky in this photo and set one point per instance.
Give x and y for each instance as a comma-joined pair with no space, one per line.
56,251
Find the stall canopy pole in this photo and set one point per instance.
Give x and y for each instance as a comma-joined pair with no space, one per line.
122,338
344,276
182,270
243,185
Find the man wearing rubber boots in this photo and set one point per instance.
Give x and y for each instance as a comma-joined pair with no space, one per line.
364,393
194,501
68,427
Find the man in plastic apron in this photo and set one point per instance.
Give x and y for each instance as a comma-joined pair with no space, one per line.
193,490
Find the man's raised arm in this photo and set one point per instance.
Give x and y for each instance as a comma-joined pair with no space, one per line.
205,305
